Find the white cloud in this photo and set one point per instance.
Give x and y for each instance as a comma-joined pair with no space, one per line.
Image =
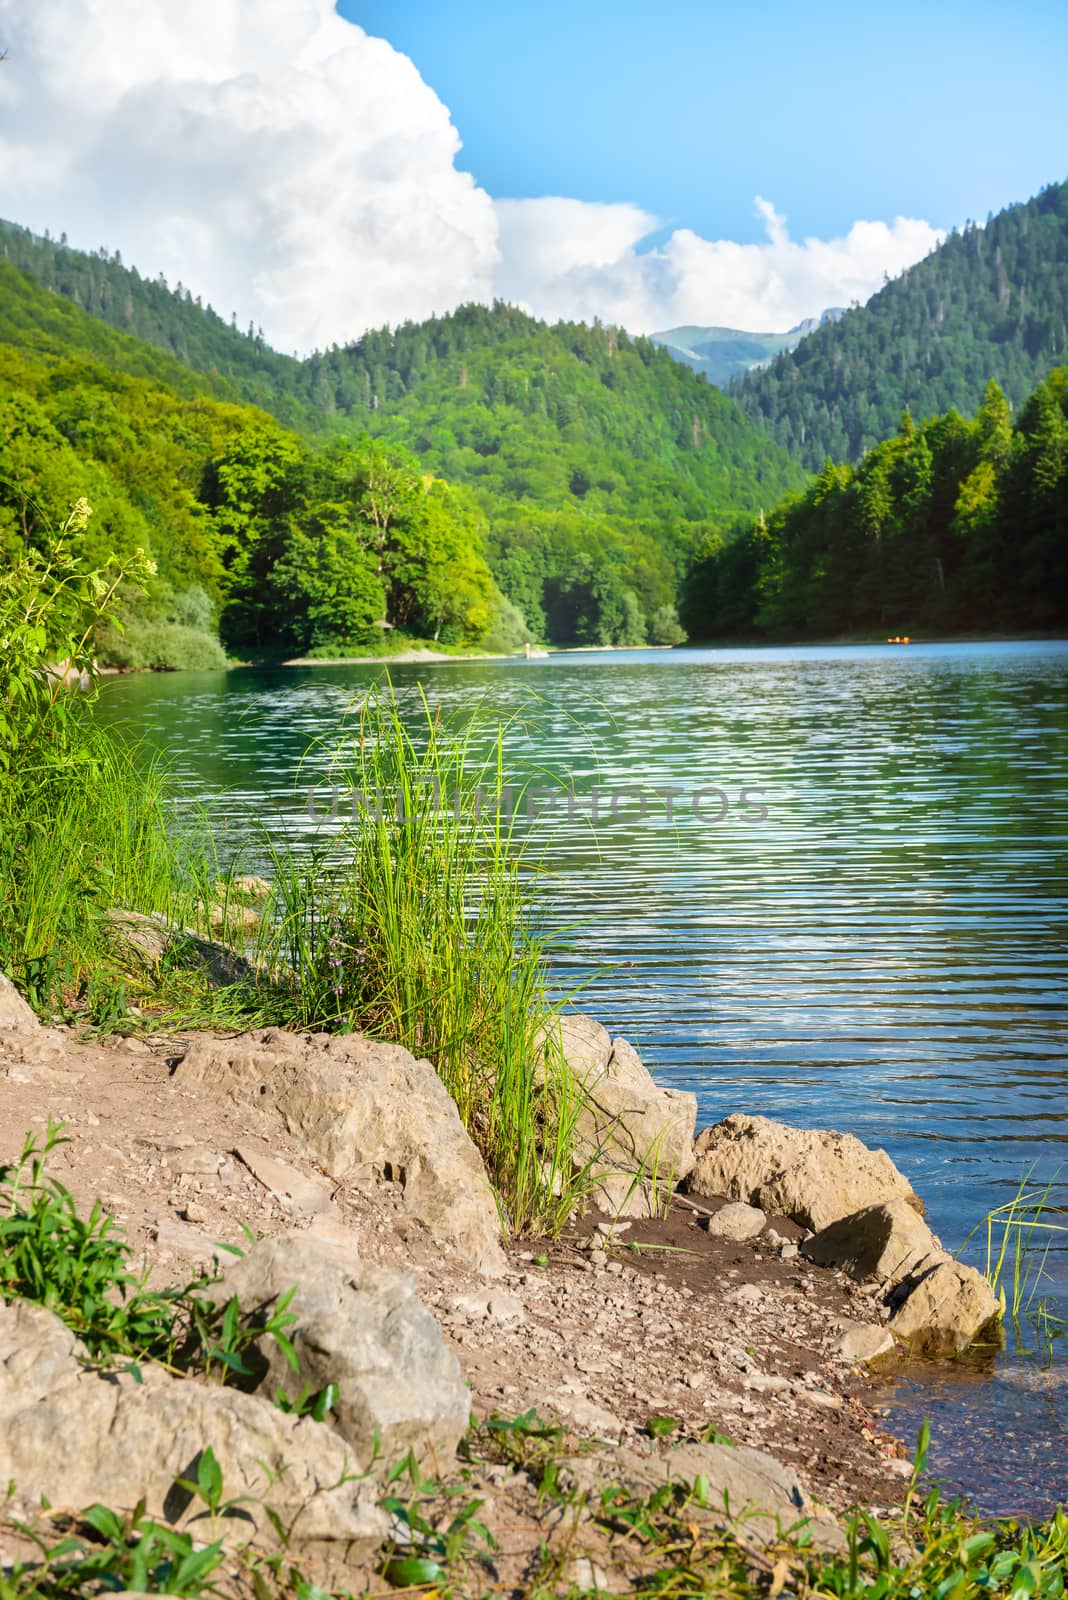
287,166
266,153
588,263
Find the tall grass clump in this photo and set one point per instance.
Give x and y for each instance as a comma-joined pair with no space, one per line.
414,925
83,825
1019,1236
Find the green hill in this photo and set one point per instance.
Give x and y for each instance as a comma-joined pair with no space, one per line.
281,545
990,302
724,354
596,461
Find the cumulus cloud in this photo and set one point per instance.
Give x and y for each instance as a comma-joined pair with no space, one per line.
590,261
266,153
289,167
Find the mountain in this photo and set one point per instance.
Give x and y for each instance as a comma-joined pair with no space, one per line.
724,354
592,463
990,302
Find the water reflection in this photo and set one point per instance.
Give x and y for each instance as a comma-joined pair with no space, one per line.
885,953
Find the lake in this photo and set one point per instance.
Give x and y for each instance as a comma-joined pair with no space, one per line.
883,952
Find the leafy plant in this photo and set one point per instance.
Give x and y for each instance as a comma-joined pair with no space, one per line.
78,1268
116,1551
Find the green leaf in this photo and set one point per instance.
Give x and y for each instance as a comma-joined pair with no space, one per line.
407,1572
209,1478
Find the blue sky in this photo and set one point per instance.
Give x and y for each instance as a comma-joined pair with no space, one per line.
834,111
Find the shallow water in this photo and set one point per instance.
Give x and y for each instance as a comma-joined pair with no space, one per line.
884,953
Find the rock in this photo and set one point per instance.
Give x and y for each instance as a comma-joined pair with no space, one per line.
943,1306
883,1242
737,1484
15,1015
364,1330
293,1189
809,1174
583,1574
247,887
73,1435
149,938
736,1221
638,1136
352,1102
863,1341
788,1251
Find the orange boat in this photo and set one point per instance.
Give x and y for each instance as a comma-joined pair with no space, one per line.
900,640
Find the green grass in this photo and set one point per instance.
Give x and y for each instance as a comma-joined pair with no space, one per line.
1019,1236
414,924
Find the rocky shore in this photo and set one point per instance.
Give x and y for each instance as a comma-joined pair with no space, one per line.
710,1319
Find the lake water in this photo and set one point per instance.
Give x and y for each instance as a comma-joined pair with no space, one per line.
884,952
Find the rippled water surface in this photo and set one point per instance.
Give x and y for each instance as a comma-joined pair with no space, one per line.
884,953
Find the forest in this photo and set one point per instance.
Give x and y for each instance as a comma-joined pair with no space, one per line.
989,302
951,526
565,478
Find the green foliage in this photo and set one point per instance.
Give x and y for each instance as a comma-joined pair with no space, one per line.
50,603
73,1266
990,301
951,526
78,1268
111,1551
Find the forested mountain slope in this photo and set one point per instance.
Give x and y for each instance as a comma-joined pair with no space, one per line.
554,403
949,527
283,545
597,462
724,354
990,302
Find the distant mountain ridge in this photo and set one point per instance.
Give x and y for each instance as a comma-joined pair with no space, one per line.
724,354
989,302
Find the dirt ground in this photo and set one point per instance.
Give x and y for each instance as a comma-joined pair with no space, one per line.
667,1320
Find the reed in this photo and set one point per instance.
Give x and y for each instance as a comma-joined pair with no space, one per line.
413,922
1019,1236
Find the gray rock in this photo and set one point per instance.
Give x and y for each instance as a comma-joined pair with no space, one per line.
812,1175
946,1306
355,1102
74,1435
738,1484
637,1136
863,1341
16,1017
736,1221
365,1330
883,1242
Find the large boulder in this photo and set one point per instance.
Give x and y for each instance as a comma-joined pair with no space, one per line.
71,1435
400,1390
813,1175
943,1307
355,1102
634,1135
16,1017
738,1486
884,1242
936,1304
